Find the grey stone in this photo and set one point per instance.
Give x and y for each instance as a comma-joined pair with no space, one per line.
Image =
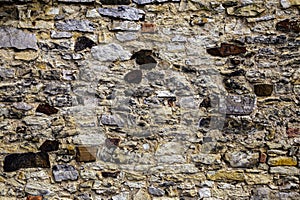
110,52
123,12
143,2
60,35
6,73
125,26
285,3
261,193
242,159
237,104
12,37
156,191
22,106
108,120
126,36
64,173
286,170
34,187
75,25
204,193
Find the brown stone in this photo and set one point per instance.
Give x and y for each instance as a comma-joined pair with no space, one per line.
262,157
293,132
134,76
288,26
34,198
148,27
226,50
49,145
263,89
86,153
46,109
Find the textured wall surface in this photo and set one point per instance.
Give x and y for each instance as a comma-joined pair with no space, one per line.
149,99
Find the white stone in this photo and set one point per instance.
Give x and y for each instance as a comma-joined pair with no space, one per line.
110,52
204,193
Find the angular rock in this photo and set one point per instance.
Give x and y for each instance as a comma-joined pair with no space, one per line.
126,36
110,52
75,25
46,109
134,76
258,179
237,105
125,26
123,12
22,106
226,50
115,2
64,173
226,176
16,161
251,10
60,35
288,26
15,38
86,153
285,170
263,89
26,56
38,188
156,191
144,59
34,198
108,120
281,39
49,145
282,161
204,193
242,159
83,43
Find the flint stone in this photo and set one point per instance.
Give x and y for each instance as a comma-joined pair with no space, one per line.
110,52
12,37
143,2
60,35
242,159
251,10
237,105
123,12
16,161
226,50
75,25
64,173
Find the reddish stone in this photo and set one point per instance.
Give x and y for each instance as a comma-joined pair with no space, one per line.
288,26
226,50
46,109
262,157
148,28
293,132
34,198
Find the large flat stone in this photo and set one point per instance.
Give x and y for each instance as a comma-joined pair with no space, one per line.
75,25
12,37
123,12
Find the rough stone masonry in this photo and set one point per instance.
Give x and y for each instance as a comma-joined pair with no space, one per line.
149,99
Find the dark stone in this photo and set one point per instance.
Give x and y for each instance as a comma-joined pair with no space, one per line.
86,154
226,50
134,76
46,109
156,191
16,161
288,26
206,103
83,43
110,174
229,4
115,2
64,173
263,89
49,145
144,58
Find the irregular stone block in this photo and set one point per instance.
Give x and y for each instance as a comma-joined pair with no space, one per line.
285,170
282,161
60,35
281,39
251,10
288,26
126,36
16,161
76,1
86,153
226,50
242,159
143,2
110,52
115,2
110,174
134,76
46,109
75,25
108,120
49,145
204,193
125,26
254,179
123,12
22,106
156,191
237,105
34,198
12,37
83,43
148,28
144,58
226,176
38,188
64,173
263,89
26,56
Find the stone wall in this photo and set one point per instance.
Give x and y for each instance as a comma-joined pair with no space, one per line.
149,99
